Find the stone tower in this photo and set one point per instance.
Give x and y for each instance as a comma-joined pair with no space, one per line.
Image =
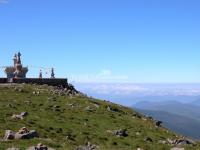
16,71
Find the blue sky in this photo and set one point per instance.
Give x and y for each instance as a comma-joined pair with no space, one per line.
104,40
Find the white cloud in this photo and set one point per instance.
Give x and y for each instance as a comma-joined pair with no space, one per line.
113,88
130,89
104,75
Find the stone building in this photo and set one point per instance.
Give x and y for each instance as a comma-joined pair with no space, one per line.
17,70
17,74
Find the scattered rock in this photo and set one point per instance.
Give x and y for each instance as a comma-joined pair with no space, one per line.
23,133
88,108
121,133
96,105
176,148
148,139
137,116
89,146
137,133
113,109
182,141
41,147
9,135
20,116
158,123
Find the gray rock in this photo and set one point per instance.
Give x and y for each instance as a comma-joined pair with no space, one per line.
176,148
121,133
20,116
30,135
9,135
13,149
158,123
24,114
182,141
148,139
34,148
87,147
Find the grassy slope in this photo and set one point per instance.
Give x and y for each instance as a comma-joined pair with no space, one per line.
54,119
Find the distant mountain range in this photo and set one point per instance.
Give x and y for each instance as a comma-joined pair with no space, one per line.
183,118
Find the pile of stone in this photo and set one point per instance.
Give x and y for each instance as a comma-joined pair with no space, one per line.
20,116
23,133
68,90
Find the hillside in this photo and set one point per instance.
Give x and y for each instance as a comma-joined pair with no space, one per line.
66,121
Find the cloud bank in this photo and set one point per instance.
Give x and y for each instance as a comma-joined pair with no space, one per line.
126,89
104,75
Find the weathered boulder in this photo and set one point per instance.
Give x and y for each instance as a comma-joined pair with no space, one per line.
158,123
9,135
30,135
23,133
121,133
87,147
20,116
24,114
148,139
181,141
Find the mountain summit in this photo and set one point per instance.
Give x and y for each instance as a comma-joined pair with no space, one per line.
32,116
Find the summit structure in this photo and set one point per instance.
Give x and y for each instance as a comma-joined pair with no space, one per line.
17,70
17,74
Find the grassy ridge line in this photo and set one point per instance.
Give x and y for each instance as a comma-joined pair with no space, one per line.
65,122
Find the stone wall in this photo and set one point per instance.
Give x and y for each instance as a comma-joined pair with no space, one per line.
48,81
3,80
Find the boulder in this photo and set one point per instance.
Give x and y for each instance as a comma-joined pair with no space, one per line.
20,116
121,133
23,133
148,139
87,147
29,135
176,148
9,135
181,141
158,123
24,114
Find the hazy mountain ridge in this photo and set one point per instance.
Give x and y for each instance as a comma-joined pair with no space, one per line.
183,118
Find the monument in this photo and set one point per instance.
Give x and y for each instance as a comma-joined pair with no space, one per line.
17,74
16,71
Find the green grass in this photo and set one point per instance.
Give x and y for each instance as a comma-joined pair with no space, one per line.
64,127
